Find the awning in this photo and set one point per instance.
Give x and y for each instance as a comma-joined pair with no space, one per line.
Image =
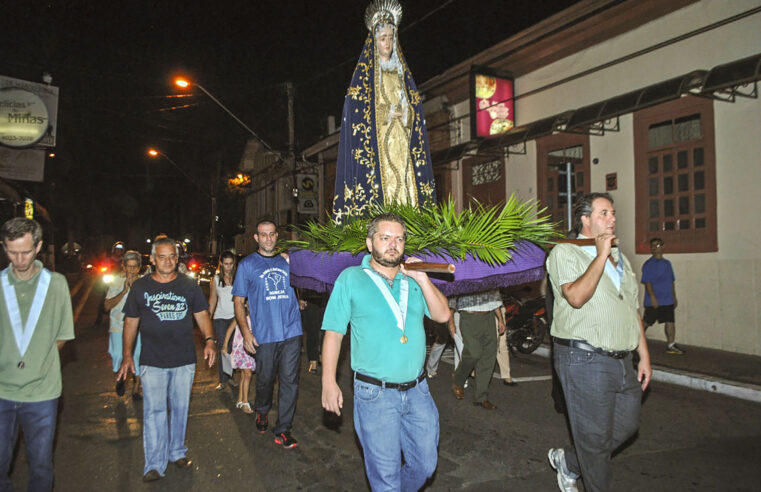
737,78
592,118
453,153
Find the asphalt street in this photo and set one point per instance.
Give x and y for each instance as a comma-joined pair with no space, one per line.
688,440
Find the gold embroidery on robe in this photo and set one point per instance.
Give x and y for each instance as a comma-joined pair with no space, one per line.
396,170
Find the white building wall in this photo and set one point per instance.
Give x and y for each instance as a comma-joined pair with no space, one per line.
719,293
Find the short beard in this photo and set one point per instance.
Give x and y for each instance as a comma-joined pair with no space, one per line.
384,262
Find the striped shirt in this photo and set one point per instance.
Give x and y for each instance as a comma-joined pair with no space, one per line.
479,302
609,319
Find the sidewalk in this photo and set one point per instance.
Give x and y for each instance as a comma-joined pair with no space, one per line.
717,371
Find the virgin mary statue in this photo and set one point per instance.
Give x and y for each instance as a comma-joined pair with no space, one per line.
383,154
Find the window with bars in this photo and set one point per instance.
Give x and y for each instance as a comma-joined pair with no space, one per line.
675,185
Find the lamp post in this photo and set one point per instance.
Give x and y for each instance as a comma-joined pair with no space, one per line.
213,229
184,83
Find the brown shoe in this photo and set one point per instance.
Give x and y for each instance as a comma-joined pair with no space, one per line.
459,391
182,463
485,404
151,476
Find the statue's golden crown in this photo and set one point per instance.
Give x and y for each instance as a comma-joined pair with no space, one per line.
383,11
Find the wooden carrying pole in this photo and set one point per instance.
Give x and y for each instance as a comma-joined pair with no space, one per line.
430,267
581,242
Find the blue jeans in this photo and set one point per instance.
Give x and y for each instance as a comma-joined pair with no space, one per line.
166,398
390,422
37,420
603,398
279,359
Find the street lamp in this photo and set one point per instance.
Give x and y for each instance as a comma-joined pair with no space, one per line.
185,83
213,232
156,153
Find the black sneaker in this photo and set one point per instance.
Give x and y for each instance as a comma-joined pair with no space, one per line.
286,440
261,423
120,387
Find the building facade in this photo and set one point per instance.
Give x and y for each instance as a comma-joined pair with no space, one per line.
656,103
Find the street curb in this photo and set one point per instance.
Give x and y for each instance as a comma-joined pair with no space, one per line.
695,381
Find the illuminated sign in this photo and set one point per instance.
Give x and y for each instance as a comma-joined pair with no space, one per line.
492,104
23,117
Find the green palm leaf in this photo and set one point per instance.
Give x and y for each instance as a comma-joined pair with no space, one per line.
487,233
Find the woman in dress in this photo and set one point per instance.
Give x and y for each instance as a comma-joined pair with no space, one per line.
221,306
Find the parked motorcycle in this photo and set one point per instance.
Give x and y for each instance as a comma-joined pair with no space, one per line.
526,322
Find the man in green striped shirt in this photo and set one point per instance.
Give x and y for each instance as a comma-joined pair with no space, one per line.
595,328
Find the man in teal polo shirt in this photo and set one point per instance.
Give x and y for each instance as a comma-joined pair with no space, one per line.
394,412
35,322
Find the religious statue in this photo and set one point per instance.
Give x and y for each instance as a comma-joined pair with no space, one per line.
383,154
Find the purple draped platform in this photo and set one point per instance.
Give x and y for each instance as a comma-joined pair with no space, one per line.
318,271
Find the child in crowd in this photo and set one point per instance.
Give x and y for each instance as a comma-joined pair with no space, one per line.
242,360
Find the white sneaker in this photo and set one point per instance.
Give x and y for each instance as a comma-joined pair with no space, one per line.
566,482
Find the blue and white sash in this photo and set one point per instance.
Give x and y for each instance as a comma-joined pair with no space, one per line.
399,309
24,334
615,273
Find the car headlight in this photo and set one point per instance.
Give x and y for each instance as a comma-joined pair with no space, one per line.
108,278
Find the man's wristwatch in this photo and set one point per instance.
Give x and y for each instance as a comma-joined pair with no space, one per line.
212,339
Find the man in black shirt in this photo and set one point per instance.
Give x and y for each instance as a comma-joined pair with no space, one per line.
165,305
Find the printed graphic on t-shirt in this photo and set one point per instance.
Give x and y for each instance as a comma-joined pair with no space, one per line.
275,283
167,306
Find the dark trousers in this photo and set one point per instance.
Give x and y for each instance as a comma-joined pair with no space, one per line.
279,359
220,330
37,420
479,339
603,398
311,321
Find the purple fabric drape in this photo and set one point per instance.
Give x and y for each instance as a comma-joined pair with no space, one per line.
318,271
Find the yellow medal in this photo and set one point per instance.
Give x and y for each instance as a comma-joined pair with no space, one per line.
403,339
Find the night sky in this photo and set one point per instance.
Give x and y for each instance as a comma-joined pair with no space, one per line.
114,63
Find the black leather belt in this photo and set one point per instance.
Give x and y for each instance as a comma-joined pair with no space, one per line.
396,386
581,345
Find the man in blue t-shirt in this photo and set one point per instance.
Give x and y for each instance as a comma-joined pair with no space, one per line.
394,411
165,305
660,294
274,334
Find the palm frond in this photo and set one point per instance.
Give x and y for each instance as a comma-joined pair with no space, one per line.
487,233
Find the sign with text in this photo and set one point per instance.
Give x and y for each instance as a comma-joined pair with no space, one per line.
23,118
492,103
48,94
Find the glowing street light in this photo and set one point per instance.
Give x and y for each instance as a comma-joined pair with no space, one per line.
157,153
185,83
212,243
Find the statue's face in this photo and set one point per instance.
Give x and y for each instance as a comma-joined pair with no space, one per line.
385,40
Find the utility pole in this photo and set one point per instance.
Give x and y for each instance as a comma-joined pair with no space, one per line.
289,92
213,229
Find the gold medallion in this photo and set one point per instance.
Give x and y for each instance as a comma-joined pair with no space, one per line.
403,339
